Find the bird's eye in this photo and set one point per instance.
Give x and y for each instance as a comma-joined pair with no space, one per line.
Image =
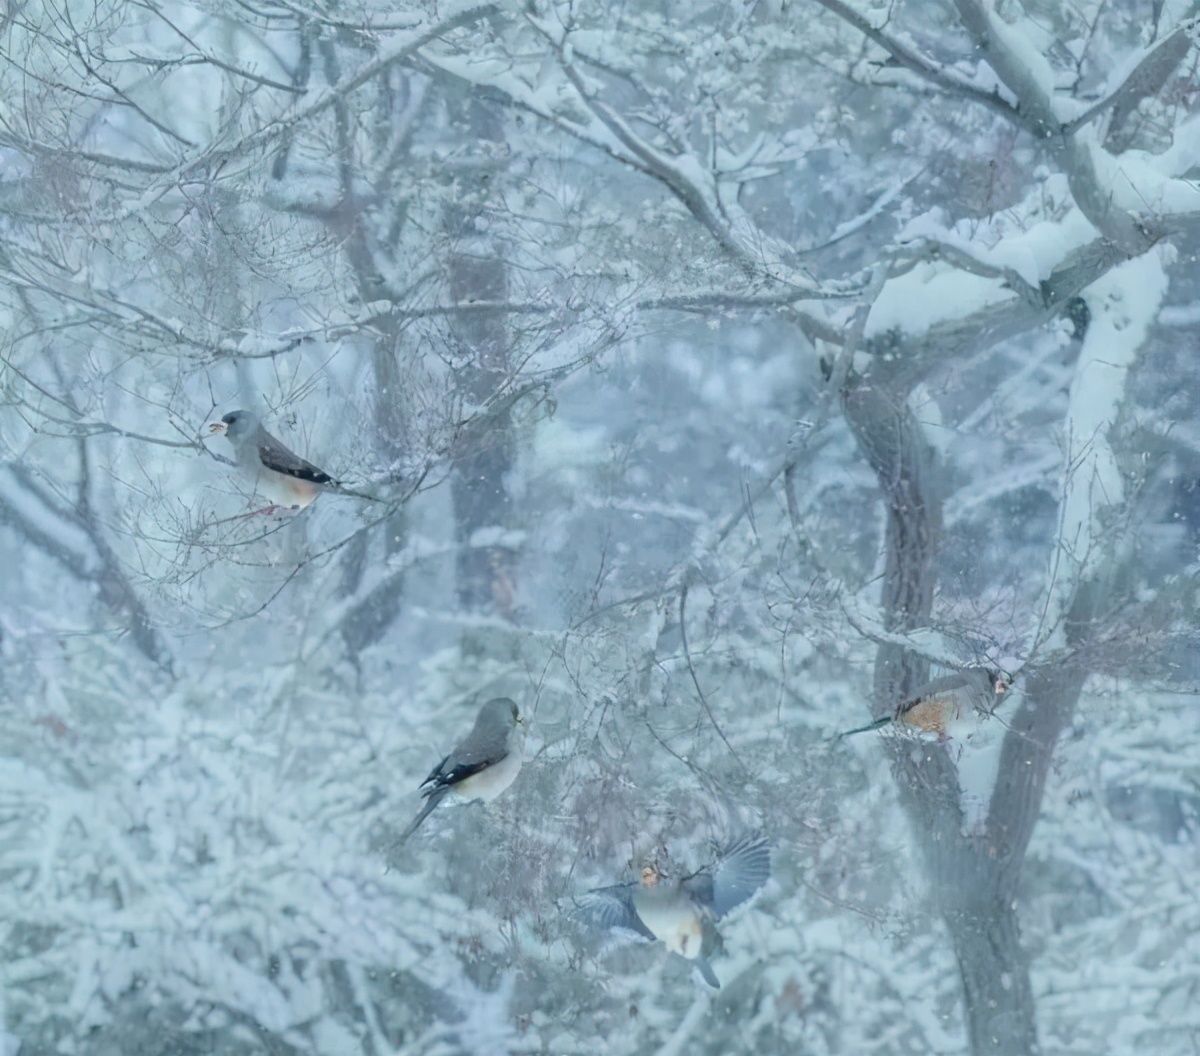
229,419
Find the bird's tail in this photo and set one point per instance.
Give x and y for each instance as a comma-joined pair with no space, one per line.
705,969
435,797
877,724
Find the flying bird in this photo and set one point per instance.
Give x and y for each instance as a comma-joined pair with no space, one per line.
280,475
945,702
483,765
681,913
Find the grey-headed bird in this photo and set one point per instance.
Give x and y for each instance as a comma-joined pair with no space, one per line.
281,476
483,765
946,703
681,913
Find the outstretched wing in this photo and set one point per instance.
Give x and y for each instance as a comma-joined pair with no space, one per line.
611,908
279,458
736,877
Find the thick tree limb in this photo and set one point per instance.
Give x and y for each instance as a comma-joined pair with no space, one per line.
1028,76
1146,79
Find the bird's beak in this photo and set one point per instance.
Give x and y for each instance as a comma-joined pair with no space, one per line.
217,427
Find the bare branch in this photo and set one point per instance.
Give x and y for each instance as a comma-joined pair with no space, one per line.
324,100
687,654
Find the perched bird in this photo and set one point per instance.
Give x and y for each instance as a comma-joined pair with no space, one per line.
682,913
483,765
946,701
280,475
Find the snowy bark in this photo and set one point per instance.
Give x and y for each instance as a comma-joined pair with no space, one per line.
995,978
974,891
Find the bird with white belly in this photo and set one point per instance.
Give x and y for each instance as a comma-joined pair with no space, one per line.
483,764
681,913
276,473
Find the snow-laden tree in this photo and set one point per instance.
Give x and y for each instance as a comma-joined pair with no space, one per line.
771,353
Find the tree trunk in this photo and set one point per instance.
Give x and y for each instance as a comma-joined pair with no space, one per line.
973,877
486,575
366,622
999,1001
368,619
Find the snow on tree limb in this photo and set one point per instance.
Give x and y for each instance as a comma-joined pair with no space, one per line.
922,65
1124,305
682,174
1146,74
1027,73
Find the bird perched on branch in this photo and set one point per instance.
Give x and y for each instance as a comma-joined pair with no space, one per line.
482,766
280,475
681,913
938,706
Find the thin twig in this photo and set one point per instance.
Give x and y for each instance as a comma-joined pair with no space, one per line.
683,594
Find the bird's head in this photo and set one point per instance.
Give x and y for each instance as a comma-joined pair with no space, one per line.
235,425
1000,679
501,714
655,866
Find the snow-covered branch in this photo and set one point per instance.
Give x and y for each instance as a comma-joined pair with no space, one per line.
922,65
931,644
1146,75
682,174
1124,304
1090,170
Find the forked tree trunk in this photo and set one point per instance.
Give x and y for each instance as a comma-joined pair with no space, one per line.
974,876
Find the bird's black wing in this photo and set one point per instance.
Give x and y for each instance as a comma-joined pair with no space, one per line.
609,908
276,456
481,748
433,774
444,776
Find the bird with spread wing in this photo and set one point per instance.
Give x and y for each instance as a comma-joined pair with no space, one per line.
681,912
